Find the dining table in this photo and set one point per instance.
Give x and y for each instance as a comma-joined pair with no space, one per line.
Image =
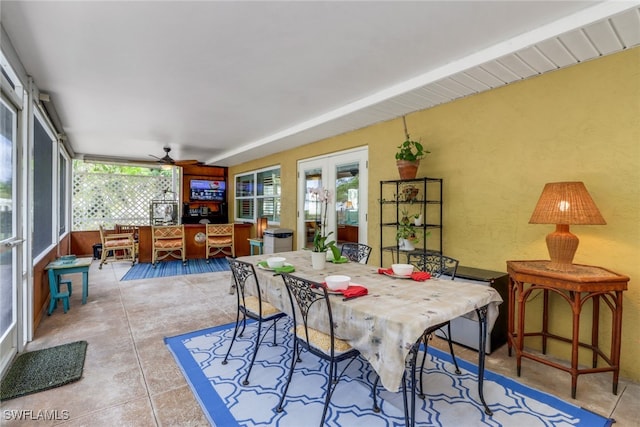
387,324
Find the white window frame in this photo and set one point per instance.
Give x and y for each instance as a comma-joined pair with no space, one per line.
65,181
254,197
54,211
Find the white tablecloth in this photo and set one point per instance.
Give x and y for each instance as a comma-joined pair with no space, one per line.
384,324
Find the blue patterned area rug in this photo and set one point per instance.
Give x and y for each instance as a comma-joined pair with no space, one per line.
452,399
145,270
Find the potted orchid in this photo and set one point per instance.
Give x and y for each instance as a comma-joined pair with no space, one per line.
321,244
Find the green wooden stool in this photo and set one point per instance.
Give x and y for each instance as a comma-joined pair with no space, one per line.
56,294
256,243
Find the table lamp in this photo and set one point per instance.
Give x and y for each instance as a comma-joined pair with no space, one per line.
261,225
565,204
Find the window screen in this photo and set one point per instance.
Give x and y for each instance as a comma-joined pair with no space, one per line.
62,183
42,189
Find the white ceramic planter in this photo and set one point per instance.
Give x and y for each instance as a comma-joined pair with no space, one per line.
405,245
318,260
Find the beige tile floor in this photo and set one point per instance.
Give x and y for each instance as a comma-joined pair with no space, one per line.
131,379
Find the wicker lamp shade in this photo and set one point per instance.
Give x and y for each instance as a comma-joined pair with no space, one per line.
564,204
261,225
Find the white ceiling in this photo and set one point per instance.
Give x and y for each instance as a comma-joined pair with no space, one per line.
226,82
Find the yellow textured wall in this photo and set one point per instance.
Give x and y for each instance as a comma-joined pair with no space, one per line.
497,149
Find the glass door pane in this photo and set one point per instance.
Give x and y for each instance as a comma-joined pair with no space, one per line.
346,207
343,176
312,207
9,243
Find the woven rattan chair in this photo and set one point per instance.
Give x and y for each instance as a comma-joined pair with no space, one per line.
117,247
251,305
356,252
307,296
435,264
134,229
168,240
220,240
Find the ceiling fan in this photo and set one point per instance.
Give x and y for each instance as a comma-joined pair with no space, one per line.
167,160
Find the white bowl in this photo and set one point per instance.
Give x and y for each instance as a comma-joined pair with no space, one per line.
402,269
275,262
338,282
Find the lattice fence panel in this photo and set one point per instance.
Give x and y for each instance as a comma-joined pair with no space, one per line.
102,198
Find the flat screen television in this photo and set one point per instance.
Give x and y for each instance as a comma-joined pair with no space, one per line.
207,191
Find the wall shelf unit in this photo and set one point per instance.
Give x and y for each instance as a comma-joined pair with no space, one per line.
204,194
421,196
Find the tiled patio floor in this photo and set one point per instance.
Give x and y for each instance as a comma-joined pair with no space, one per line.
131,379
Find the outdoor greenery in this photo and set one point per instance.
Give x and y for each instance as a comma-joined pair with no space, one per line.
343,186
5,190
90,167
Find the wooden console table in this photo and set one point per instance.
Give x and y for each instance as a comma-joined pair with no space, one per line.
195,241
581,284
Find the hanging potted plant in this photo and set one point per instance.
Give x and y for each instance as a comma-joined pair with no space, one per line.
408,155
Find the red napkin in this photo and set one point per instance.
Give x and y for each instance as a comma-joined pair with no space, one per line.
355,291
420,276
385,271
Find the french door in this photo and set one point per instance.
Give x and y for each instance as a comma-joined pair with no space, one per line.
343,213
10,242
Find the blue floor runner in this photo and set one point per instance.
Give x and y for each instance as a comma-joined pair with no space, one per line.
175,268
452,399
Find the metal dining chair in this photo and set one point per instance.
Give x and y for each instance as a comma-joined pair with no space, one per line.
308,297
356,252
434,263
250,306
437,265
